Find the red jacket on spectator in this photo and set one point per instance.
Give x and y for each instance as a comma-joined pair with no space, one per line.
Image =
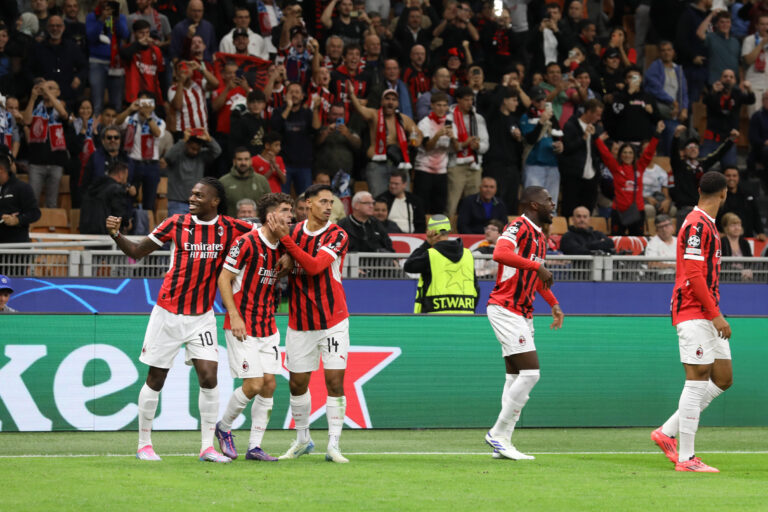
142,71
626,177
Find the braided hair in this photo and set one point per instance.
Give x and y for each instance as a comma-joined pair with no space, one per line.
220,193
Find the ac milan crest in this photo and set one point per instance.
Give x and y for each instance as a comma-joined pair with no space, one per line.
245,366
521,340
699,352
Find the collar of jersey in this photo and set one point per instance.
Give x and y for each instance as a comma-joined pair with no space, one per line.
537,228
265,240
207,223
705,213
314,233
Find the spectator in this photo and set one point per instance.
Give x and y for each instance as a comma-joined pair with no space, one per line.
505,148
186,99
337,143
724,103
663,245
82,134
373,68
10,135
409,33
618,41
242,181
186,162
758,139
301,211
687,169
628,213
366,233
193,25
665,82
578,162
297,59
430,181
441,82
381,212
632,114
343,25
197,54
107,196
246,209
391,75
733,241
318,87
550,42
436,259
476,210
18,205
74,28
334,48
405,209
656,185
106,30
390,133
144,64
488,267
60,60
471,142
753,51
232,93
297,124
269,163
691,49
143,130
338,211
538,126
743,204
416,77
108,153
46,116
751,11
612,72
723,51
582,239
5,294
348,77
249,127
555,87
456,27
160,27
483,98
257,46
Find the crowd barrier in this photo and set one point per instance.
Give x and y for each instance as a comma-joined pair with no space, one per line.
81,372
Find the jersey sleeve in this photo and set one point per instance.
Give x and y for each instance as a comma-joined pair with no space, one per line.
694,267
335,243
240,253
693,242
513,232
163,232
242,226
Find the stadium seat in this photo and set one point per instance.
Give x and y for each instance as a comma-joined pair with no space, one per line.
663,162
361,186
52,220
74,220
559,226
599,224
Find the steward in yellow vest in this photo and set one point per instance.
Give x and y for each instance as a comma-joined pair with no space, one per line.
447,283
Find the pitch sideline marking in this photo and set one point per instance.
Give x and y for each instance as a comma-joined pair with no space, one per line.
82,455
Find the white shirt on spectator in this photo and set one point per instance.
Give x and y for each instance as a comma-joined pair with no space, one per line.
589,168
194,113
257,45
657,248
654,179
434,161
482,134
135,152
401,214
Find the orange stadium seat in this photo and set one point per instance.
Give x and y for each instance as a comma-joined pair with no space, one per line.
52,220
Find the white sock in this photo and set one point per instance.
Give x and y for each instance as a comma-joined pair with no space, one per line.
672,425
261,410
208,402
148,399
237,402
508,381
301,407
516,397
335,408
690,409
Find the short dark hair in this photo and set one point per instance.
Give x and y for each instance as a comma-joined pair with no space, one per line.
400,173
256,95
592,104
315,189
144,93
439,96
553,63
352,46
583,24
712,183
220,193
633,69
729,167
140,25
496,222
111,128
665,42
272,137
118,167
720,15
108,106
463,92
271,201
240,149
530,193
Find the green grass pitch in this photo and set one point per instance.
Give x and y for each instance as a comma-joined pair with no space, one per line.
575,469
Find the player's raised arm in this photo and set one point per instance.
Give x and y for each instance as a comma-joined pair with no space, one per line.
135,250
312,265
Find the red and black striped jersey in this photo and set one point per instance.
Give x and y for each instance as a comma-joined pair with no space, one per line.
698,256
254,260
318,302
516,286
197,254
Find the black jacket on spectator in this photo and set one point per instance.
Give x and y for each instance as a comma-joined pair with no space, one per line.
16,196
368,236
723,112
103,198
100,162
61,63
745,206
419,217
391,227
746,250
585,241
626,118
247,130
687,174
574,156
298,136
687,43
473,217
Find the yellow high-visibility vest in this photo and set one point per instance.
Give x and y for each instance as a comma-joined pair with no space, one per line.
452,289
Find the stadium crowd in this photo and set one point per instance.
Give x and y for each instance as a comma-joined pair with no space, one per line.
423,107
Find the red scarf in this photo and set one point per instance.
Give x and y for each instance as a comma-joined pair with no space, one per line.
437,120
380,149
466,155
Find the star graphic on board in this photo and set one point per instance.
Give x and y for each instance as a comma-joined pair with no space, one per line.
458,276
364,363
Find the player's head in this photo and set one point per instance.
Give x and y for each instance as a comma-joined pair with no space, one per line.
712,186
279,203
538,204
208,198
319,201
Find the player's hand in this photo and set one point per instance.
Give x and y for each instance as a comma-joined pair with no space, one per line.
546,276
557,317
277,225
284,265
113,225
722,327
238,327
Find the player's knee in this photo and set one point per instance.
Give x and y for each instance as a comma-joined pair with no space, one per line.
208,380
298,388
530,376
251,388
335,386
724,382
268,387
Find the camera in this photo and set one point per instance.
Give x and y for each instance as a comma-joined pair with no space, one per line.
339,121
146,102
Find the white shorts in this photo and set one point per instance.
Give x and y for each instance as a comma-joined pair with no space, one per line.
700,342
303,349
514,332
167,333
253,357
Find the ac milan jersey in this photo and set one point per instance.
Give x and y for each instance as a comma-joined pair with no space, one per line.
143,72
254,260
234,97
318,302
262,167
698,251
197,254
193,113
515,287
